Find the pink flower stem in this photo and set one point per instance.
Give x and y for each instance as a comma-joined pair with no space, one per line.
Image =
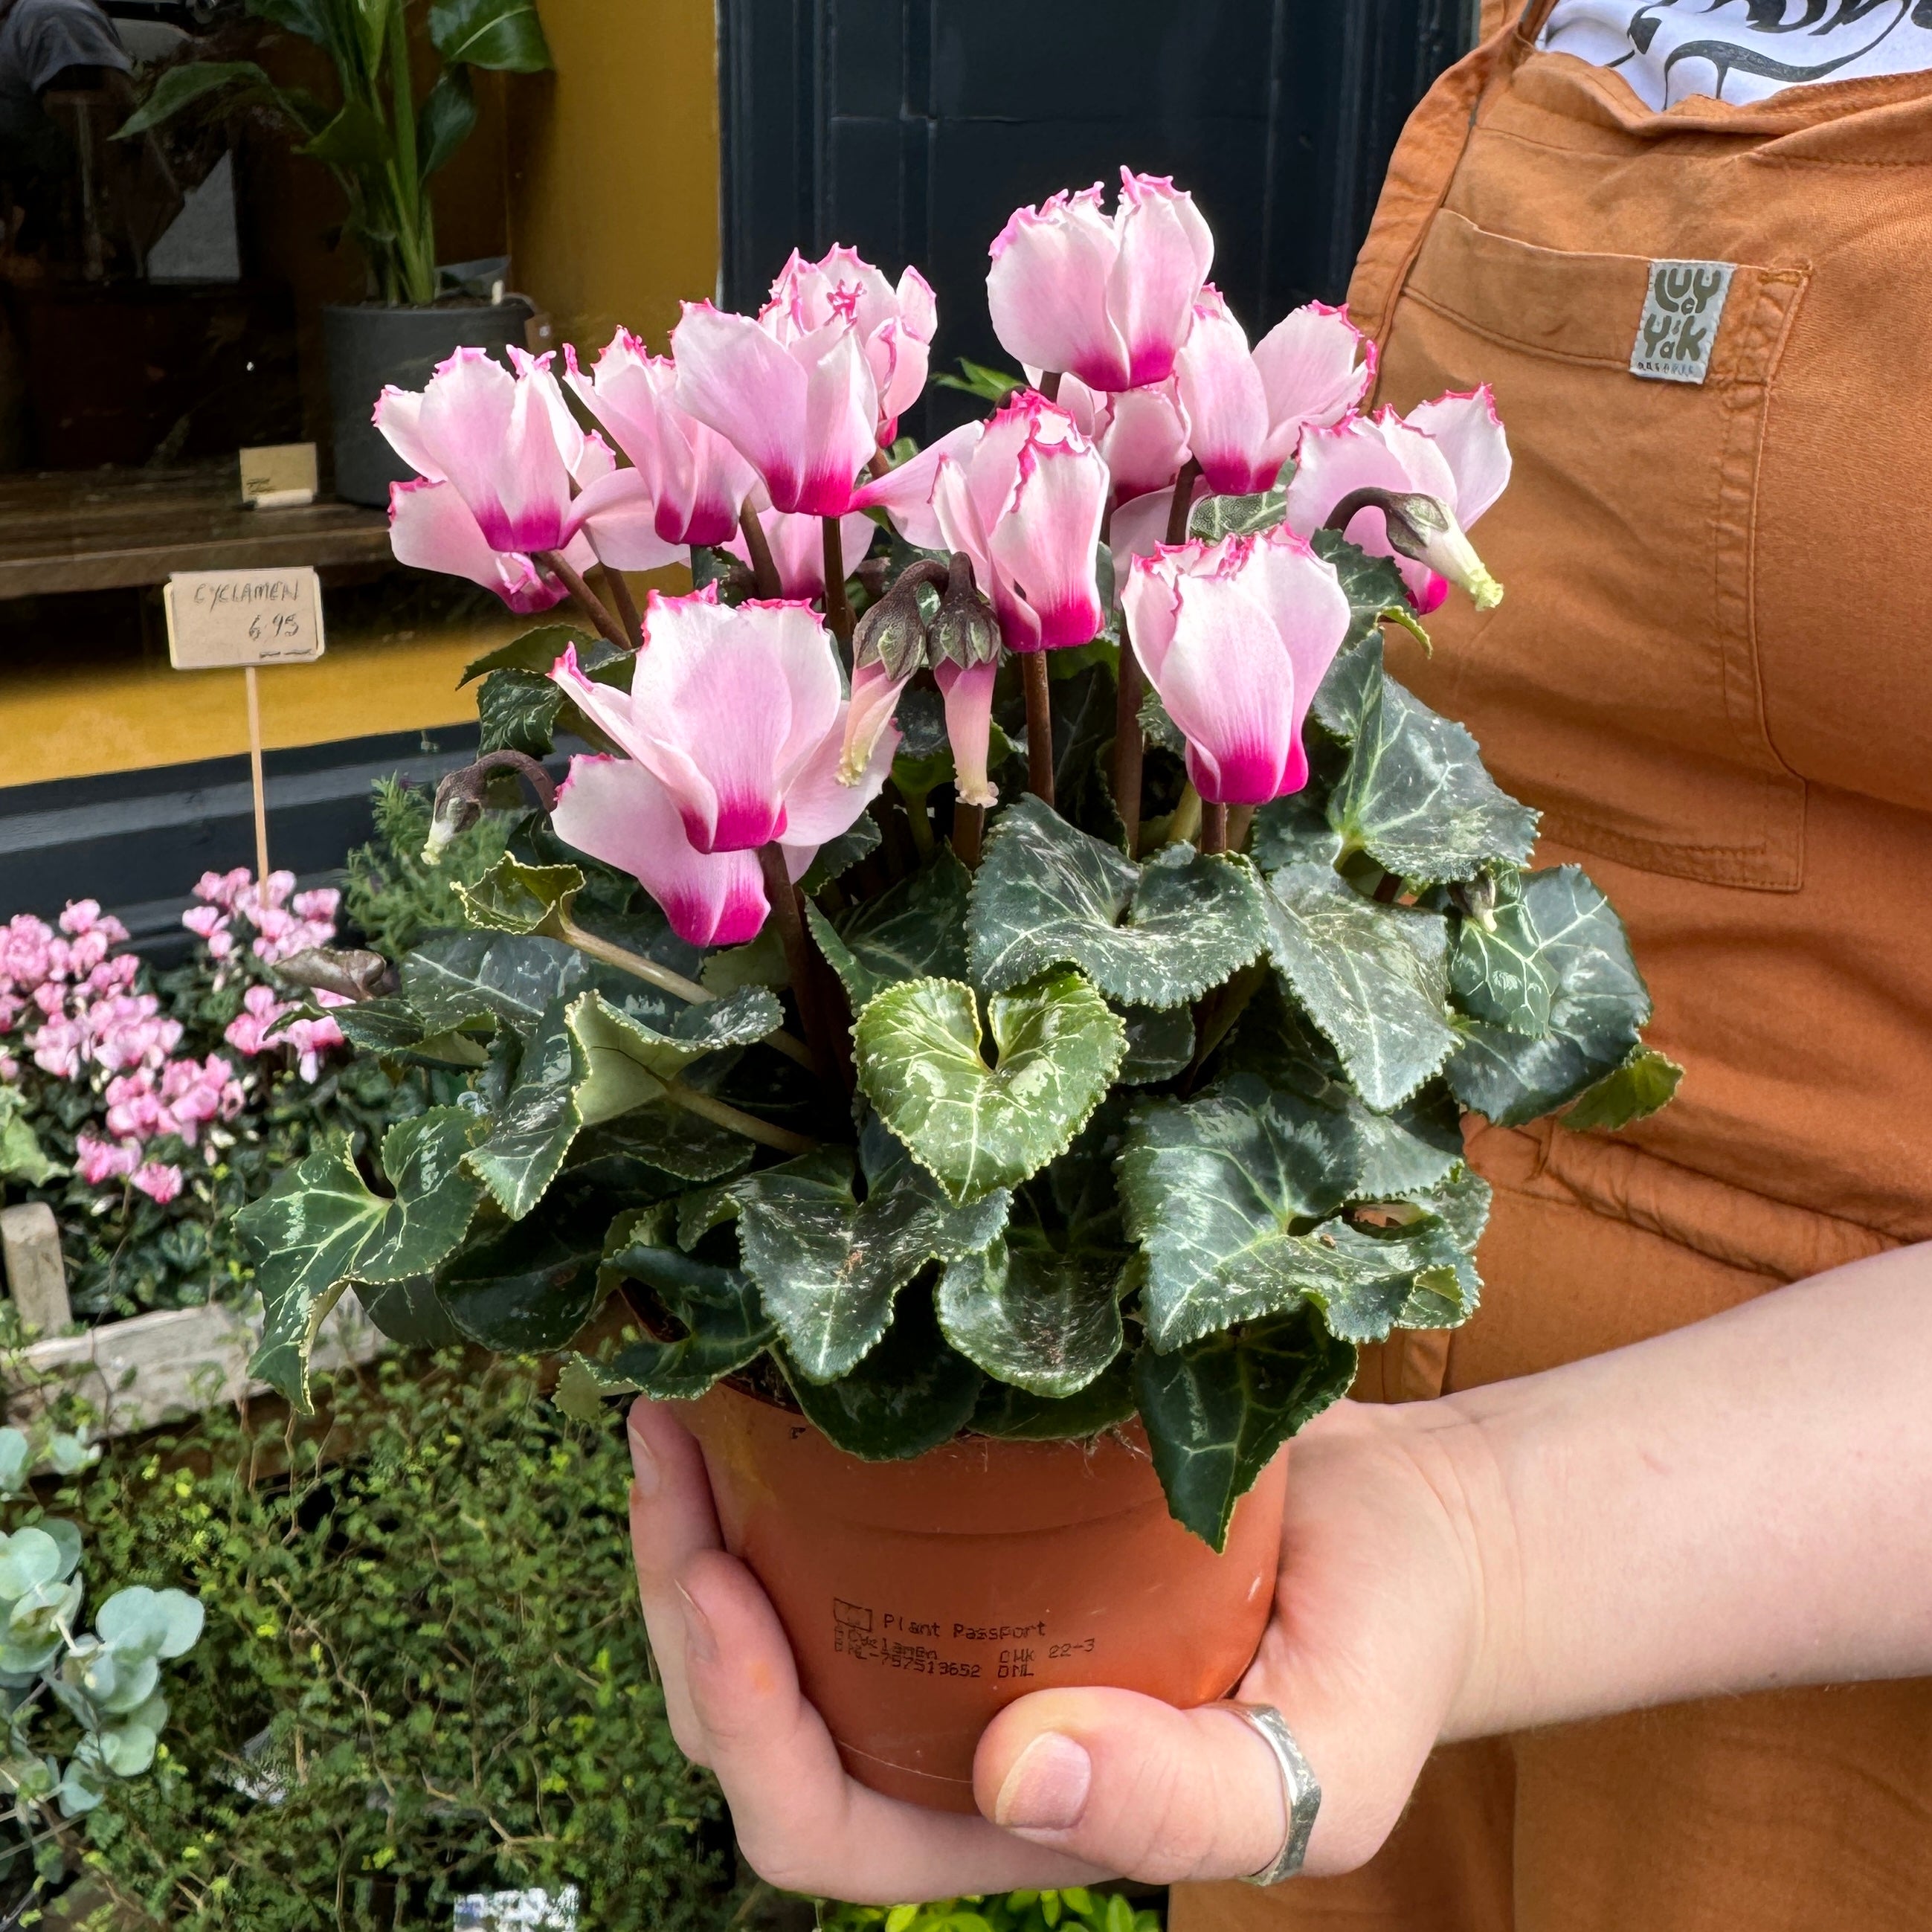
1039,725
765,578
1184,501
1213,828
626,605
587,600
837,606
1049,385
799,960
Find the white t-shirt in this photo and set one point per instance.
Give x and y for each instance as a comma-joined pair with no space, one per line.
1741,50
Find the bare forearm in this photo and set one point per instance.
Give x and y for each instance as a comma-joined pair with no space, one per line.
1741,1504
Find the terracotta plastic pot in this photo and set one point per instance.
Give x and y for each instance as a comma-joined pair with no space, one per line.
921,1597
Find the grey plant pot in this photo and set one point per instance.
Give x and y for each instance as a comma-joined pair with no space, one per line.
374,344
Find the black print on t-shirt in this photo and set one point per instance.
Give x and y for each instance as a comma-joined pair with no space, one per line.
1816,18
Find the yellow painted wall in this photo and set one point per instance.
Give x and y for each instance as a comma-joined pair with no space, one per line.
613,167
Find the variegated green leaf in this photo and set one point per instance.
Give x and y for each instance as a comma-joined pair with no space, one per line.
1374,978
1214,517
1035,1309
1217,1413
1417,798
462,979
829,1266
1159,935
1220,1193
916,930
1600,1005
977,1128
322,1228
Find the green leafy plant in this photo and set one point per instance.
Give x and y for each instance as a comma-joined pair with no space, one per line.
424,1674
84,1709
1074,1907
381,144
394,896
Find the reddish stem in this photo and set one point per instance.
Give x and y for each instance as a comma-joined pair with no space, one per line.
1039,725
765,579
1213,827
592,605
837,606
627,614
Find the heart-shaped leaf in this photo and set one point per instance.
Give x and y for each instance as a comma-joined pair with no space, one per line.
1376,592
321,1229
1374,978
1645,1082
528,1289
1217,1413
518,711
911,1393
1417,798
1601,1004
532,1131
829,1266
978,1128
1157,935
839,856
1415,1147
537,650
1034,1311
465,979
1220,1194
917,930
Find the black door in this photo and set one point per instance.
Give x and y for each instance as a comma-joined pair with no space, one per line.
913,128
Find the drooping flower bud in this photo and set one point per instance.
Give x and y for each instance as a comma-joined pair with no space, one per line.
964,646
1424,530
888,646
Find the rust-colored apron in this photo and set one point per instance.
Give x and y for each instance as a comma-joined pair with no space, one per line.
1713,673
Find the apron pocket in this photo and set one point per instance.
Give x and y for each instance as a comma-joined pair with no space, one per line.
1618,683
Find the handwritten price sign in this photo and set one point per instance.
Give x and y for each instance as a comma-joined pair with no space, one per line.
230,619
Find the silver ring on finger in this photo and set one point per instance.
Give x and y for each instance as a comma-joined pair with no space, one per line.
1300,1795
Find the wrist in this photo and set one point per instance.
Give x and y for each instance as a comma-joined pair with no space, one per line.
1455,1448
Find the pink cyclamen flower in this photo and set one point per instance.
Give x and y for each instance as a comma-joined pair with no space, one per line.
84,917
1237,636
1140,433
1246,413
800,404
158,1181
219,888
688,484
1108,299
96,1160
25,951
1022,495
619,810
247,1033
895,325
309,1040
727,709
1454,449
497,455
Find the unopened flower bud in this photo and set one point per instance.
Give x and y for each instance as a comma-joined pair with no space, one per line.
891,633
1424,529
966,632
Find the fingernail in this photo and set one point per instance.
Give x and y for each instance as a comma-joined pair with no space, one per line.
1046,1789
644,1464
699,1636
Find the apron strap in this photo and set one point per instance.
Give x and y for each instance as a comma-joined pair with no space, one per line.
1424,164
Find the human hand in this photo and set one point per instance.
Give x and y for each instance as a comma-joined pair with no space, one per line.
1376,1609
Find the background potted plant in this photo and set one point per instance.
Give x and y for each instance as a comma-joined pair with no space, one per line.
1032,1067
383,145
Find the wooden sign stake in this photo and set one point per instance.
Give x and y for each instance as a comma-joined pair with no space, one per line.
255,773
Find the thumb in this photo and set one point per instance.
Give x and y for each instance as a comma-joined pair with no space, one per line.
1133,1786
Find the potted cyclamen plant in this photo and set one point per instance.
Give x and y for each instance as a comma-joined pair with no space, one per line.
1033,1066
